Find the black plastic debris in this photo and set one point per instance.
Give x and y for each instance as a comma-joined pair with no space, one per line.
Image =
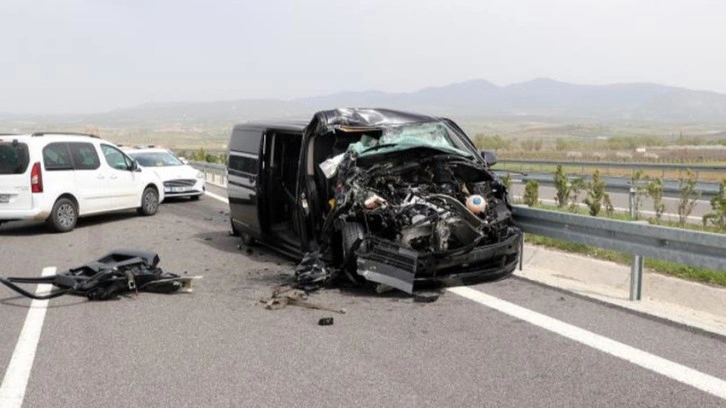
425,298
312,273
325,321
119,272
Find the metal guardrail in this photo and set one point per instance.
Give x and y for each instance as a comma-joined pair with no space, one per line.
213,172
623,185
629,165
695,248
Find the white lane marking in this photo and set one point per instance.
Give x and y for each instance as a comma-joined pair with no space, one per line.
217,197
683,374
12,390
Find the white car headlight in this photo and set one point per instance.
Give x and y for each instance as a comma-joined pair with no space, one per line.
200,175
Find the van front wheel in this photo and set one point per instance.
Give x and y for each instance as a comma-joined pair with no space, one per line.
64,215
149,202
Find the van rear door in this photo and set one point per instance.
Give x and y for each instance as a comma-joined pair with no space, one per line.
15,192
242,173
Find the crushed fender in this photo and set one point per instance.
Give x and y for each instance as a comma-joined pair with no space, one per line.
118,272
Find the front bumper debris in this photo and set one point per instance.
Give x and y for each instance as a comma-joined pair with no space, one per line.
388,263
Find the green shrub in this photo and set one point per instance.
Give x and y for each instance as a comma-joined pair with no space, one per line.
531,193
595,194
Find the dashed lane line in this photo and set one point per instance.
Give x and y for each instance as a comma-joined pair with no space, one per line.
12,389
675,371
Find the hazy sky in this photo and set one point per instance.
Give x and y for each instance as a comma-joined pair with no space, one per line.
88,56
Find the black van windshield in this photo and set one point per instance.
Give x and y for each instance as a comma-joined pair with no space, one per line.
13,158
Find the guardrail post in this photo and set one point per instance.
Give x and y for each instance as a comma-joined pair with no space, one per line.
636,270
631,202
636,278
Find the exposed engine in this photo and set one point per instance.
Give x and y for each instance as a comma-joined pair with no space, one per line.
431,203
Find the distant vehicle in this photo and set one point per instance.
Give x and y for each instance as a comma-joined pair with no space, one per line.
389,197
179,178
59,177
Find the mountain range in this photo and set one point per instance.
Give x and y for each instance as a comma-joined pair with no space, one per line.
476,98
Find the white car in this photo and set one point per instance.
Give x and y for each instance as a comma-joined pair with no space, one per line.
180,180
58,177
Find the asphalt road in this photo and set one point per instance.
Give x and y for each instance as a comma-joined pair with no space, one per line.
218,347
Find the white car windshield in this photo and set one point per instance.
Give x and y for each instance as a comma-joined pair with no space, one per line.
156,159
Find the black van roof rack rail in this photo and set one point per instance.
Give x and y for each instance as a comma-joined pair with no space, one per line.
64,133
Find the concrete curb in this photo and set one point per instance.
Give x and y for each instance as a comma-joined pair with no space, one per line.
688,303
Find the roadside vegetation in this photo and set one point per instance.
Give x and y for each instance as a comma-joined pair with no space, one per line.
596,199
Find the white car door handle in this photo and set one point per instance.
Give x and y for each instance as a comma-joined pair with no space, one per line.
100,177
113,176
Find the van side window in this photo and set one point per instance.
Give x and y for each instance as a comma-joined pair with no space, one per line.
246,140
242,165
57,157
115,158
84,156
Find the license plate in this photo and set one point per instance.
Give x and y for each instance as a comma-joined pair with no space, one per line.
4,198
179,189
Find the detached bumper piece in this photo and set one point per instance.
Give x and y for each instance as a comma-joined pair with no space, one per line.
387,263
119,272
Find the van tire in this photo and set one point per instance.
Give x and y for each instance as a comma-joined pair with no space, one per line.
149,202
352,232
64,215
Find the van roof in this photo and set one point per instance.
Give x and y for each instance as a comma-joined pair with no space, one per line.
371,117
289,125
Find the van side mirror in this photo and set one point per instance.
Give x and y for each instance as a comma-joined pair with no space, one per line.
135,166
489,156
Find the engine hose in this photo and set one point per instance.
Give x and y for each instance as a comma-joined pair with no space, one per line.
18,289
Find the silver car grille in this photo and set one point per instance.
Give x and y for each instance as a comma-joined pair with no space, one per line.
180,183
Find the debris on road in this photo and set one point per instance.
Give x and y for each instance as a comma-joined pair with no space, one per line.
325,321
311,273
121,271
288,295
425,297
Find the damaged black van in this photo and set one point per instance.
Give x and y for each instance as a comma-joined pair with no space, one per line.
390,197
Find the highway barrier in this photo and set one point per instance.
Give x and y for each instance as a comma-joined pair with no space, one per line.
213,172
695,248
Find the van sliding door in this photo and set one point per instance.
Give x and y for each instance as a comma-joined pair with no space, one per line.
242,182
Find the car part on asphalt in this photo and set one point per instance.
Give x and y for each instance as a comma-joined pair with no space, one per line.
118,272
289,295
312,273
